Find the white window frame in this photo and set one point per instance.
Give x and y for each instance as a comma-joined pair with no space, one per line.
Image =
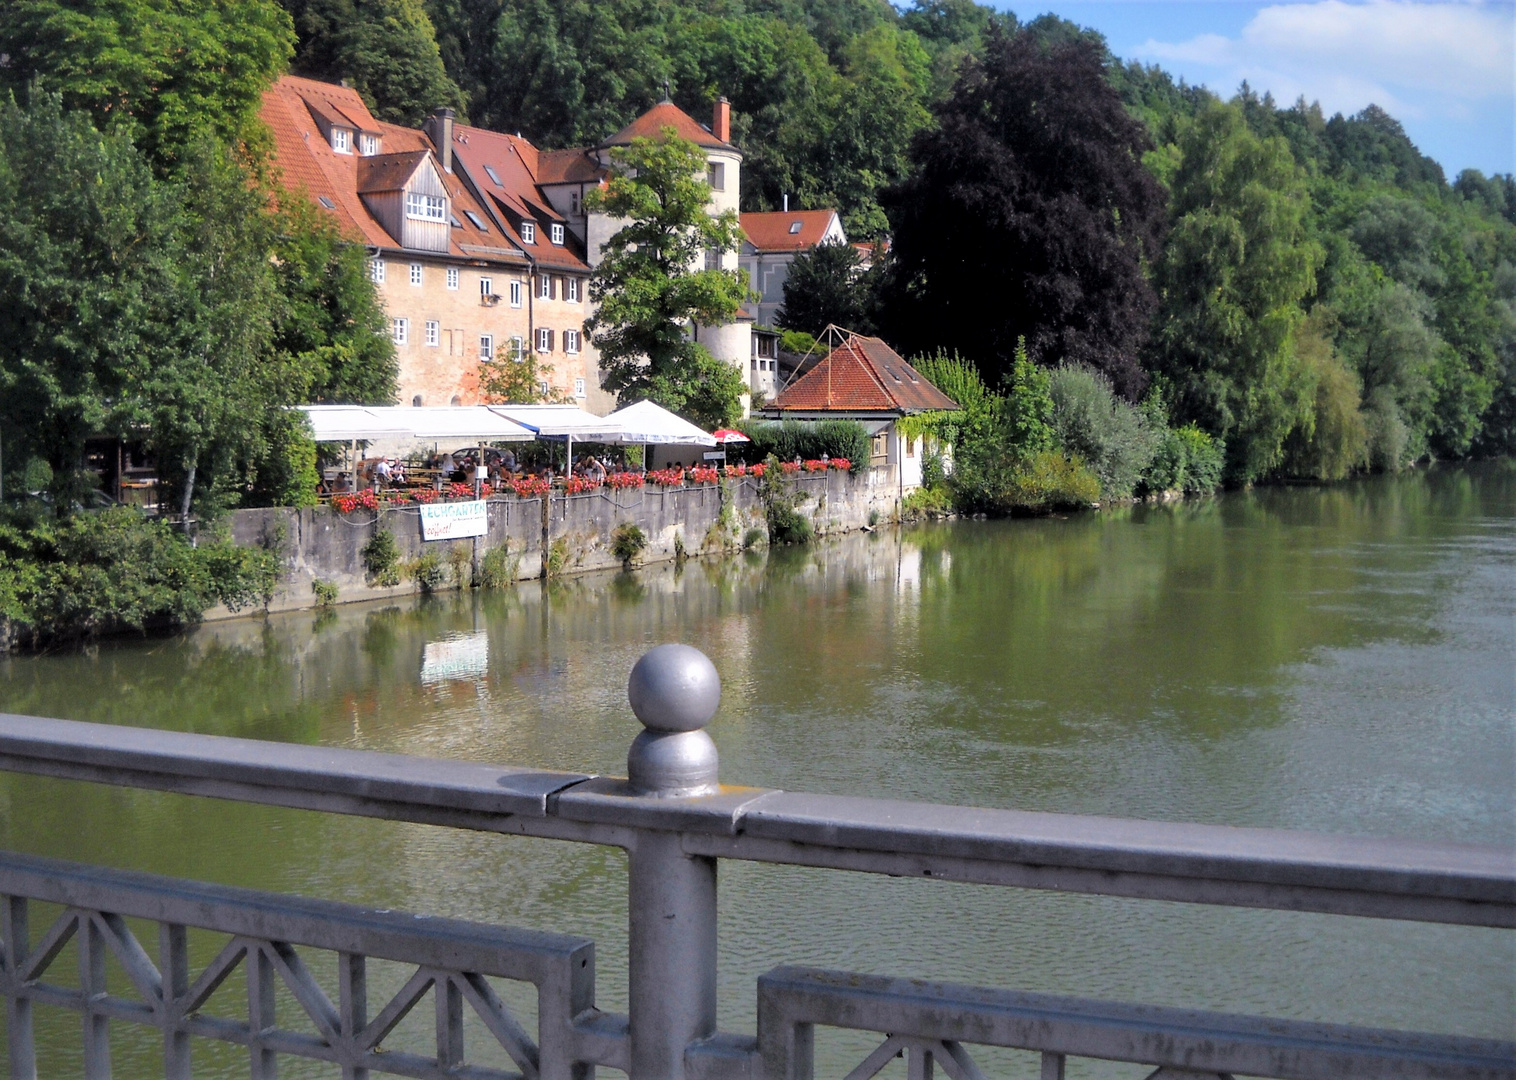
571,290
518,348
342,140
376,271
515,291
486,346
433,334
544,339
545,287
400,331
452,277
486,286
579,388
528,232
555,232
571,341
368,145
423,207
417,275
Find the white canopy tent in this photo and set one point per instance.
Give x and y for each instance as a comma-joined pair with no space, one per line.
566,422
366,423
648,423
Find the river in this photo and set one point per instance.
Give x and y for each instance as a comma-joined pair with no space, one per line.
1332,659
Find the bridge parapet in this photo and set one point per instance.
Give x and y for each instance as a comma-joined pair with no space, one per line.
676,821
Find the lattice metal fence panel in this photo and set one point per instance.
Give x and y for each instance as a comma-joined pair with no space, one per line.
934,1025
266,935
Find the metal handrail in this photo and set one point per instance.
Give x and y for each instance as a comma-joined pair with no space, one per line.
1211,864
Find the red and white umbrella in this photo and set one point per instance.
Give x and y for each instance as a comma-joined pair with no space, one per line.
729,435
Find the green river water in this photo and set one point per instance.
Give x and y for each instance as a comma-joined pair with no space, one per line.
1337,660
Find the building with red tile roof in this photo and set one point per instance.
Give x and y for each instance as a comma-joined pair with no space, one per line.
774,238
457,284
863,379
537,198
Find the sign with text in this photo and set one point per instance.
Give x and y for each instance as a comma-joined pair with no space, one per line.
454,521
719,455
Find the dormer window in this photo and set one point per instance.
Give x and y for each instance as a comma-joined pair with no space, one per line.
556,231
425,207
528,232
342,140
368,145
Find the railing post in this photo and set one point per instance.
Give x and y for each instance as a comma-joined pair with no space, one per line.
674,690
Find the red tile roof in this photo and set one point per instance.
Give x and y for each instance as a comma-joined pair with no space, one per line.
387,172
568,167
775,230
307,163
502,168
862,375
650,125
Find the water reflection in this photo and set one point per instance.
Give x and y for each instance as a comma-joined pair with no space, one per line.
1333,659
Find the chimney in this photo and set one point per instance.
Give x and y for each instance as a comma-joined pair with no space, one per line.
721,120
439,128
786,204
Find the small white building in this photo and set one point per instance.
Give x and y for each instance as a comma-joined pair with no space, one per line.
864,379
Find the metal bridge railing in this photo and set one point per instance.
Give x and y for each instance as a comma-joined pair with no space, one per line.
675,821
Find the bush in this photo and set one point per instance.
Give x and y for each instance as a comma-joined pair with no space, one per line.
1046,481
752,538
1186,459
427,571
498,569
326,592
114,571
1096,426
788,526
381,557
926,502
627,542
808,440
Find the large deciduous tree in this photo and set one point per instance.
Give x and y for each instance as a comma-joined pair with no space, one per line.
1238,264
1030,213
387,49
649,291
183,70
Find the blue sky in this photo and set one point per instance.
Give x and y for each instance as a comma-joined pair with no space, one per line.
1444,69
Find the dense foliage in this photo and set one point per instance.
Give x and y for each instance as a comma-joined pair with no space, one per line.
802,440
115,570
1029,214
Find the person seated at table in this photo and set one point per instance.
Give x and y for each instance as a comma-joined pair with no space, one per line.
507,462
382,474
594,471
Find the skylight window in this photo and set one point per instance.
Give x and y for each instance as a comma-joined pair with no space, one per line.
324,201
475,219
454,219
794,227
494,176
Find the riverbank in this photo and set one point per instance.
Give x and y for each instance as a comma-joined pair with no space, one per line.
322,561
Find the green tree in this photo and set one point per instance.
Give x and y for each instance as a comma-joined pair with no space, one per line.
515,376
827,285
648,290
181,69
387,50
1238,264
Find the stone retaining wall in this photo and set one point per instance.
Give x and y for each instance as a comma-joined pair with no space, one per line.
570,534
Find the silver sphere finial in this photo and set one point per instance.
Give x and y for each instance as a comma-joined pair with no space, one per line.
674,690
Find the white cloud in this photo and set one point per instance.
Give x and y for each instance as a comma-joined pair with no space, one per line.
1350,54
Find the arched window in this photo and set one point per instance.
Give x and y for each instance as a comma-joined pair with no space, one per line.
457,400
416,401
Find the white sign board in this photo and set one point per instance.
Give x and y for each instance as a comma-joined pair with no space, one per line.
719,455
454,521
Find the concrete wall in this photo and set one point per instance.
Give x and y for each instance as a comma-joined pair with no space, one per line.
321,545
